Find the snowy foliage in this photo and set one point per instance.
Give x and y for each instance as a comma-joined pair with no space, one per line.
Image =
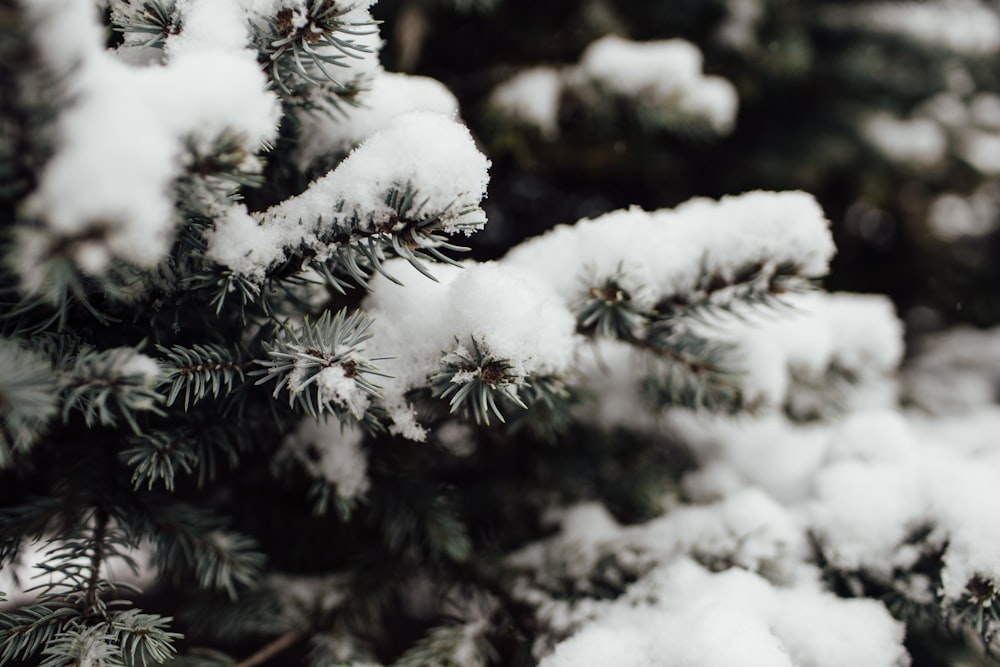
240,358
663,79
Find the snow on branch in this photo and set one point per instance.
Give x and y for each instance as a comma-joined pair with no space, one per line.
663,80
403,191
107,192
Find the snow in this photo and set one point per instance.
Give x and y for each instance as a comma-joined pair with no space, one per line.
981,149
857,337
917,141
953,216
340,459
129,363
670,251
120,191
428,152
390,95
739,28
966,27
239,242
663,73
955,372
689,616
499,307
532,96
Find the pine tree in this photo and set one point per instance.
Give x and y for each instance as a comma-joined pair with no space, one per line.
257,408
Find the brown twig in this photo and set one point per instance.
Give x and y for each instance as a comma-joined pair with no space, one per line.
272,649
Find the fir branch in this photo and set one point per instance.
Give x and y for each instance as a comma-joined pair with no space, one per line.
412,516
192,541
322,366
978,610
82,645
198,444
159,19
26,630
459,645
200,371
476,382
105,385
27,399
358,243
608,310
25,522
143,638
301,44
754,285
691,373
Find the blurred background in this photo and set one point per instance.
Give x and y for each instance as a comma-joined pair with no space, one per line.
888,112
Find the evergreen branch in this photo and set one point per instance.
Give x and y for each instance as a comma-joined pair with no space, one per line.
214,173
691,373
106,385
358,243
189,540
299,42
157,18
27,521
322,366
143,638
97,556
26,630
460,645
200,444
159,457
82,645
978,610
27,399
477,382
415,516
752,285
608,310
200,371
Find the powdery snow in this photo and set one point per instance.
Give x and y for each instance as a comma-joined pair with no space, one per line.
119,190
390,94
671,251
429,153
684,615
499,307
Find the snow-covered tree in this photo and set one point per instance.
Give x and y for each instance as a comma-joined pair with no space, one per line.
257,408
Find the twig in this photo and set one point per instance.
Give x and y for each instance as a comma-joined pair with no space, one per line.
283,642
